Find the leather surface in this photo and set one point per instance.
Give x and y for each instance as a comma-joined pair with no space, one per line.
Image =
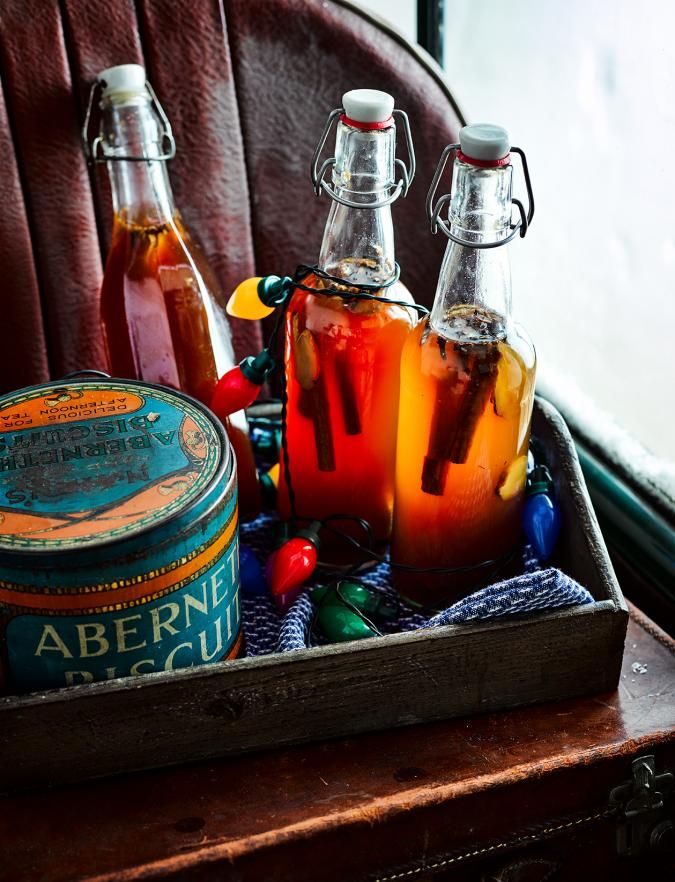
45,122
247,85
367,807
84,24
188,58
22,309
293,61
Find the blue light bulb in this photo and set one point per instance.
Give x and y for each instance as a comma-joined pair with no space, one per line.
541,515
251,575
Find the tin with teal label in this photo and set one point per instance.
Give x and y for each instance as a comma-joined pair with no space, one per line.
118,534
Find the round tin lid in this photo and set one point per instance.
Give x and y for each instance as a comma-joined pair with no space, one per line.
85,462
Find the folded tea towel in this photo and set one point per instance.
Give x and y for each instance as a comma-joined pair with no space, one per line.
532,592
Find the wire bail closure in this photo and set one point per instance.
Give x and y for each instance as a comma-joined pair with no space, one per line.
400,189
434,211
94,150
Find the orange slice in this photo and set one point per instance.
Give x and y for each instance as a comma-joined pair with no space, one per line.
511,374
512,480
306,360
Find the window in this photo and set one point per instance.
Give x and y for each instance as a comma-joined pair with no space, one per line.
587,92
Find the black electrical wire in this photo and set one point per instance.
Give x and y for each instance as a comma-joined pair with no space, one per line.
365,290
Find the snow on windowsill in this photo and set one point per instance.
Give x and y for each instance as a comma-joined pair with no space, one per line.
654,475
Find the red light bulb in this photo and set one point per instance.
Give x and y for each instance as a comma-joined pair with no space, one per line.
291,565
233,392
240,386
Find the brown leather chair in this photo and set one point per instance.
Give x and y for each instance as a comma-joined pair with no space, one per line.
247,85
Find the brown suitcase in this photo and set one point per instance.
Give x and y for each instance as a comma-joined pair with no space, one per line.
567,792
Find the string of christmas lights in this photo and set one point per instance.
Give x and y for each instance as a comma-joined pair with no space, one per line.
294,562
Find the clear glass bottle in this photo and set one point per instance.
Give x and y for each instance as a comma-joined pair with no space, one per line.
467,387
342,356
162,309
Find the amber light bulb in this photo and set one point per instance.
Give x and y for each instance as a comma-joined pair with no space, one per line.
257,297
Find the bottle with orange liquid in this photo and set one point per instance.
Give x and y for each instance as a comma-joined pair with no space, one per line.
342,355
161,306
467,387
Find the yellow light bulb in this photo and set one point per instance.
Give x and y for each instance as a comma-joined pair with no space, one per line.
273,474
245,303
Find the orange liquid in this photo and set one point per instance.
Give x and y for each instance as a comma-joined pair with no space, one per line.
464,423
161,321
342,372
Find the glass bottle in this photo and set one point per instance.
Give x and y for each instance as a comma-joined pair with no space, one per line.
342,356
161,306
467,387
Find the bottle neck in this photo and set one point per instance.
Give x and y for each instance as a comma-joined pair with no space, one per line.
473,297
358,243
141,191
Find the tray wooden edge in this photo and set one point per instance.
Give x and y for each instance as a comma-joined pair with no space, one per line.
283,662
238,708
577,485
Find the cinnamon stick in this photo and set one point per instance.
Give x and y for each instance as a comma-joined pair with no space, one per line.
313,400
323,438
348,397
443,428
482,369
460,402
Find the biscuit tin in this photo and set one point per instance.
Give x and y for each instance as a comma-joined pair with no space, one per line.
118,534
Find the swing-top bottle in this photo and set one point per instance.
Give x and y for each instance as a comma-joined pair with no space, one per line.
342,352
467,386
161,306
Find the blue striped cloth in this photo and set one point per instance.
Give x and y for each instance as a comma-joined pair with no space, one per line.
266,630
294,631
530,593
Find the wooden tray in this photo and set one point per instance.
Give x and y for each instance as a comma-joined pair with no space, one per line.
231,707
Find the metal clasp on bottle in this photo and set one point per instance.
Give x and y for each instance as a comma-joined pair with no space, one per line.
400,188
94,149
434,211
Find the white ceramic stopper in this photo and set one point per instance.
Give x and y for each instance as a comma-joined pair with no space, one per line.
367,105
484,141
125,79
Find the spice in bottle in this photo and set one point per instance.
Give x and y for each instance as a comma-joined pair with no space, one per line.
342,355
162,309
467,387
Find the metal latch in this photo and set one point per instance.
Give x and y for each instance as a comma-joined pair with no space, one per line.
645,817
